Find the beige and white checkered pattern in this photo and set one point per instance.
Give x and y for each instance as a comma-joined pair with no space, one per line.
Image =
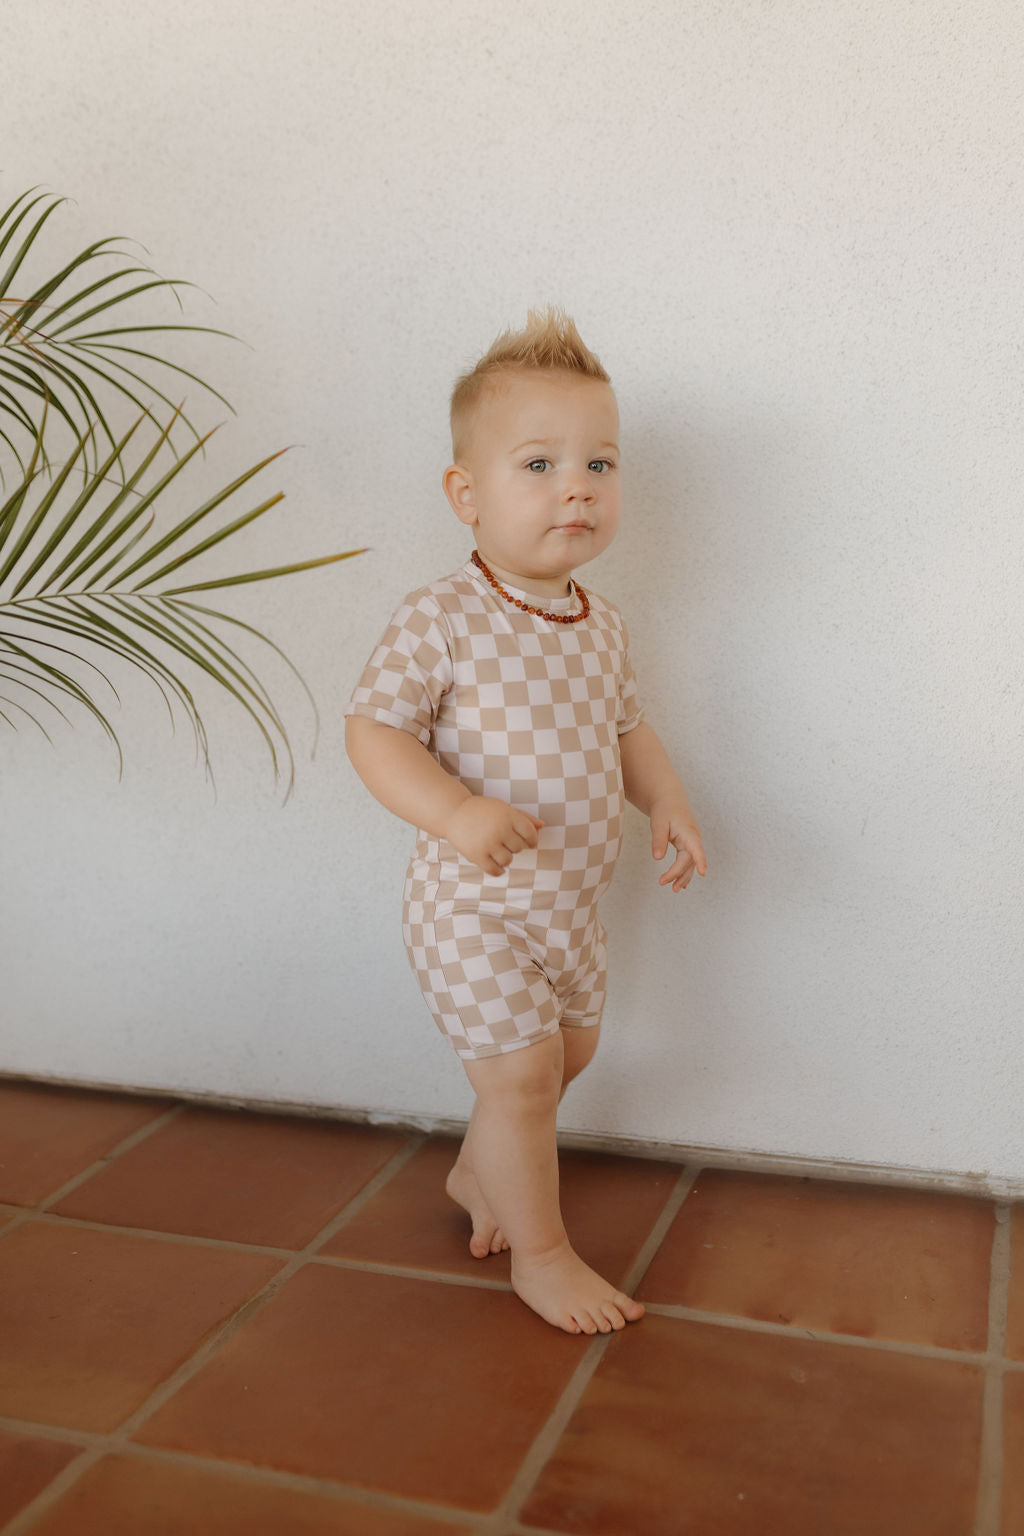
529,712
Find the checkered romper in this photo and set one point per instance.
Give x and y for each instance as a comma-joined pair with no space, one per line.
528,712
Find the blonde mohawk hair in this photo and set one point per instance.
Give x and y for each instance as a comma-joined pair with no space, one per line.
549,342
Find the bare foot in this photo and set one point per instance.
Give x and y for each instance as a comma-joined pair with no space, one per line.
463,1188
565,1291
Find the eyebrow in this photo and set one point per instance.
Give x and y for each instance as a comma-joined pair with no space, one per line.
546,442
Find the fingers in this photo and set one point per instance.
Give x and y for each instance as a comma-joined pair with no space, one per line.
522,834
512,843
679,874
683,868
525,826
515,843
690,858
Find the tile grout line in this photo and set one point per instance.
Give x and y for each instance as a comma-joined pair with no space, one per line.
395,1163
116,1441
991,1360
683,1313
453,1277
350,1495
119,1438
504,1517
408,1272
736,1320
551,1431
41,1208
680,1191
238,1319
22,1213
352,1207
335,1261
988,1518
66,1478
159,1234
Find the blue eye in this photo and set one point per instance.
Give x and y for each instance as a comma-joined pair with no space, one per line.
601,465
537,466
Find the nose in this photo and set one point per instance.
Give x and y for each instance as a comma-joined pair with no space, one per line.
577,488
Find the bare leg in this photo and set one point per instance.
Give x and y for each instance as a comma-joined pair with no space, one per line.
463,1187
462,1184
579,1046
513,1152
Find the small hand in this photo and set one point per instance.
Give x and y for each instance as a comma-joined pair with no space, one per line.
675,827
489,833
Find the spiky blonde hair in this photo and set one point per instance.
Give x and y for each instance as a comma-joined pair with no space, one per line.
549,342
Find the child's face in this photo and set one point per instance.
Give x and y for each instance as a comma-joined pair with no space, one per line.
539,482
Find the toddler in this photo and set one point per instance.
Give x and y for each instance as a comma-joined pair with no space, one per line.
499,715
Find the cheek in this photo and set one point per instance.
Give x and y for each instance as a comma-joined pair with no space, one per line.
613,515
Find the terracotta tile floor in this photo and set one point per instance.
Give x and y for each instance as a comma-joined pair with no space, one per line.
216,1322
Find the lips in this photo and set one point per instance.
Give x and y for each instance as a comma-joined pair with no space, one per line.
574,528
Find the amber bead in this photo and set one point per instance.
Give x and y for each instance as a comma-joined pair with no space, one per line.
554,618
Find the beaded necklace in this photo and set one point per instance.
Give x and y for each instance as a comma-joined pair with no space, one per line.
556,618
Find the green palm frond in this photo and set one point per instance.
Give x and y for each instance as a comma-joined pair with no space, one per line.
75,555
62,339
98,555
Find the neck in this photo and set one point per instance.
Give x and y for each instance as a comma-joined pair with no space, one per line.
539,586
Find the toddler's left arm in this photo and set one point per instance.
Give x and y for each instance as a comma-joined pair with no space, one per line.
653,786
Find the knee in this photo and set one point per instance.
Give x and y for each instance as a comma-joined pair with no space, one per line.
528,1078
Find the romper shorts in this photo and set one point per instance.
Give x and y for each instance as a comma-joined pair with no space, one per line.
495,980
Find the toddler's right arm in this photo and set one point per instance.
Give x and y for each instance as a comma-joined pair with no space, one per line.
398,771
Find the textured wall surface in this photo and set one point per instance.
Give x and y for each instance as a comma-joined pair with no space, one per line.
793,233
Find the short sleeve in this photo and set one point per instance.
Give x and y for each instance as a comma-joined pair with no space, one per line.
409,671
629,712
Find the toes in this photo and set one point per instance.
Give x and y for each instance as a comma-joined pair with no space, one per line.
480,1240
613,1315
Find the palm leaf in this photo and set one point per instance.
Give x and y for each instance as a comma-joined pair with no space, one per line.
62,682
271,575
14,503
230,618
74,551
93,482
57,616
94,524
25,711
49,330
148,616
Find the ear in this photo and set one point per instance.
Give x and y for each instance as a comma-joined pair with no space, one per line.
458,487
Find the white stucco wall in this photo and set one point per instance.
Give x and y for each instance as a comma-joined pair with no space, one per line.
793,232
